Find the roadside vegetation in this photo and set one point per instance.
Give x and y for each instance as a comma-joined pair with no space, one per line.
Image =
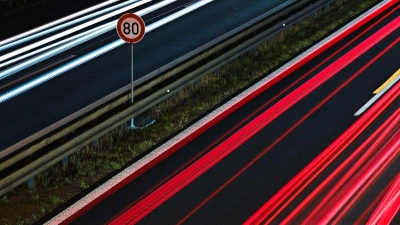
92,163
10,7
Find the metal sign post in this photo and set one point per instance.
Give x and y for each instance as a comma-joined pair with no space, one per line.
132,97
131,29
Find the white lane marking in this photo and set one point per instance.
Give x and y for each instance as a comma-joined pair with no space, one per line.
376,97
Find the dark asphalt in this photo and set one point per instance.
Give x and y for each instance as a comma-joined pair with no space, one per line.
253,188
42,14
66,94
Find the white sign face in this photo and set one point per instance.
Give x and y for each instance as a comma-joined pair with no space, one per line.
131,28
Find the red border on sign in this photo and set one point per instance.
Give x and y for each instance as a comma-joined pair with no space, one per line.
141,23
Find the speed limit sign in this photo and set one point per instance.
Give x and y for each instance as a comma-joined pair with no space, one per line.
131,28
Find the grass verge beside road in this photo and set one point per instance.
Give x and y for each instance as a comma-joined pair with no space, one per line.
119,147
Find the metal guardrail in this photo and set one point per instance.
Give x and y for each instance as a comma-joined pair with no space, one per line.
85,138
159,72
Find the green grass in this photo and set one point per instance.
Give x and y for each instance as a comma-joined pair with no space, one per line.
120,146
55,200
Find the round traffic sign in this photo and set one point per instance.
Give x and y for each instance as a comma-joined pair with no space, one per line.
131,28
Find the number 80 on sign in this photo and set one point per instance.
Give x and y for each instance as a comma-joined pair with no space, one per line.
131,28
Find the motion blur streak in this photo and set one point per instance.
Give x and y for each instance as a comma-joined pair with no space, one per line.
310,170
89,56
63,25
355,161
351,133
62,20
389,204
70,31
388,150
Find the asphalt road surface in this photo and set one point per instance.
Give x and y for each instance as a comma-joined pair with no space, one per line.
50,102
219,195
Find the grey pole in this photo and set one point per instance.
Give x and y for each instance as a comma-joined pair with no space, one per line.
132,98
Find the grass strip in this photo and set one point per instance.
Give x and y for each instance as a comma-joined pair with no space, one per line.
119,147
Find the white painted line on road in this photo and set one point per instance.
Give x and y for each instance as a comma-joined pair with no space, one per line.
71,30
83,59
62,20
63,25
79,40
376,97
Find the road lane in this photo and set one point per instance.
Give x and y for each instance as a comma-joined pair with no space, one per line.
96,79
138,187
285,158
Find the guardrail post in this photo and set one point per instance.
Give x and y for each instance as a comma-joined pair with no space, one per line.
95,142
64,162
124,126
217,71
253,51
31,182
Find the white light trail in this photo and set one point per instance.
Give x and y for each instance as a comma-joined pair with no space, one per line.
62,20
179,13
70,31
14,60
79,39
83,59
64,25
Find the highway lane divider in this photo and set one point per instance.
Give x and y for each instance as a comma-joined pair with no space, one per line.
391,78
147,162
107,108
177,66
377,96
114,100
268,103
168,148
300,121
136,109
75,40
152,201
161,95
